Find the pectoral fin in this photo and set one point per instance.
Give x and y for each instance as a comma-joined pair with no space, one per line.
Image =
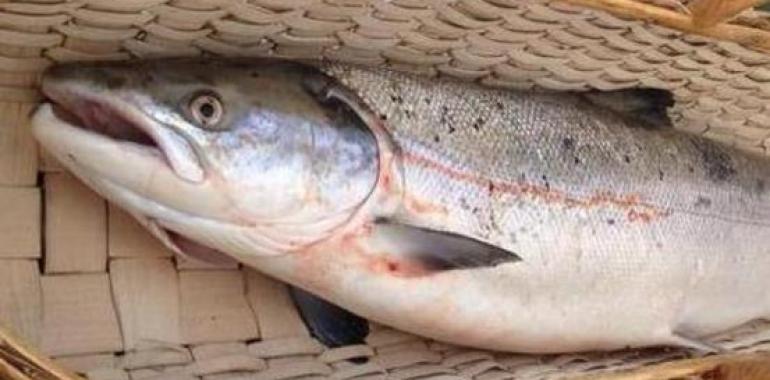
433,250
332,325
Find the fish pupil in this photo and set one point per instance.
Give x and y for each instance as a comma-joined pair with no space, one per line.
207,110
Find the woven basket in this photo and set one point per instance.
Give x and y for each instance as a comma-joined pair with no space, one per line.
99,297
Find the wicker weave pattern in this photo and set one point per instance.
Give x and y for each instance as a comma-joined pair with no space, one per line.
92,248
721,86
390,354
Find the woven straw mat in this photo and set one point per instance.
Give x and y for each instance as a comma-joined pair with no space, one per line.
109,301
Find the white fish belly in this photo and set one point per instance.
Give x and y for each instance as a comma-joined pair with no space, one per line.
583,285
605,274
571,292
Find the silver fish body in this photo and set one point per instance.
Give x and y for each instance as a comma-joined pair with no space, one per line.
622,235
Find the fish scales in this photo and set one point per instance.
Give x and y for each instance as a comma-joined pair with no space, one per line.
579,191
560,144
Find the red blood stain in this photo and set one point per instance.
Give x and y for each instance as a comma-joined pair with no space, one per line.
635,216
637,211
383,264
315,264
385,181
423,207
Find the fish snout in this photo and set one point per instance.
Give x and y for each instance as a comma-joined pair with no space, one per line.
67,77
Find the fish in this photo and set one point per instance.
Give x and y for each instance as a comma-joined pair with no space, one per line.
521,221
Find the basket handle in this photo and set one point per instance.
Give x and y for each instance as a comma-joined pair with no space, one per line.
19,362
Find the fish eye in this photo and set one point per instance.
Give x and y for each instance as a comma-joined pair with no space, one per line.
206,109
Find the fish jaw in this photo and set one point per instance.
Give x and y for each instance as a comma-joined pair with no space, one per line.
139,168
93,159
109,137
140,180
102,108
106,138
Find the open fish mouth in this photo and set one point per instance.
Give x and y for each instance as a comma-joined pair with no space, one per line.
77,123
98,118
121,121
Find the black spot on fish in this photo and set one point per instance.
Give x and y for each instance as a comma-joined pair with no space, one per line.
464,203
717,163
494,226
436,138
690,169
255,74
397,99
611,222
568,144
499,106
702,202
478,123
451,129
383,117
546,183
626,159
661,174
491,187
444,112
426,100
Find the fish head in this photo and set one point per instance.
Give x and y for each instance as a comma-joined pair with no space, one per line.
243,157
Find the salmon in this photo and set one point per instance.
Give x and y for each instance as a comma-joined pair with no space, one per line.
516,221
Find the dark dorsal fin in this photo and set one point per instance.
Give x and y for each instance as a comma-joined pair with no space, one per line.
646,105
